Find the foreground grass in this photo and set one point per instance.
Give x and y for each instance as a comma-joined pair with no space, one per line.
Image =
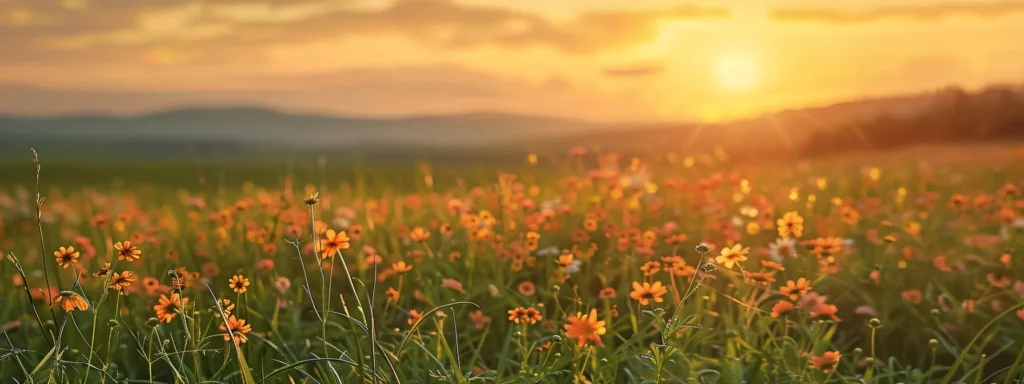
583,268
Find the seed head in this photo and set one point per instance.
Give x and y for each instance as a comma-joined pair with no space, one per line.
703,248
311,200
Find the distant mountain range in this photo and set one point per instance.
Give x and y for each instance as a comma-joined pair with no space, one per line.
266,127
238,128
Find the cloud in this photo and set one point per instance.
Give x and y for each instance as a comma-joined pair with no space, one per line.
634,70
46,29
919,12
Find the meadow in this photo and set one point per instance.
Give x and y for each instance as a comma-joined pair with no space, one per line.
576,266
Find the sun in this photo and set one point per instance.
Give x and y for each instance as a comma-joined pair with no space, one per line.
737,71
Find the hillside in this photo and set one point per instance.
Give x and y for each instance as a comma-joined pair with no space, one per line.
947,115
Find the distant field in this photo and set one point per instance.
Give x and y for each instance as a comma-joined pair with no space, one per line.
573,266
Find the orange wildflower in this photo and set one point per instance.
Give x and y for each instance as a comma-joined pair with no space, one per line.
66,256
167,308
607,293
768,264
70,302
392,295
239,283
646,292
524,315
419,234
120,281
650,268
238,327
826,362
585,328
479,319
401,267
527,288
127,251
565,260
332,243
414,316
796,289
781,308
103,271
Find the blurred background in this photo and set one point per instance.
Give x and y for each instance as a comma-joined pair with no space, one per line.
92,80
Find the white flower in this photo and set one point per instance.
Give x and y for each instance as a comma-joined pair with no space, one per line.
550,205
781,248
549,251
574,267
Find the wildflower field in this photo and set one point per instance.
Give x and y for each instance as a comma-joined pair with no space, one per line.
578,267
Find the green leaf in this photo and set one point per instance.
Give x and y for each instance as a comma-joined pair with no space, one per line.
43,362
408,335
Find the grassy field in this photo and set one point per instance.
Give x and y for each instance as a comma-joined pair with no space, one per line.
576,267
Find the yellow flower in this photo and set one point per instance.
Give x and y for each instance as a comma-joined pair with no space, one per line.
790,224
647,292
732,256
401,267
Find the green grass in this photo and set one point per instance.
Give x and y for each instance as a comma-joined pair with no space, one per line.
321,320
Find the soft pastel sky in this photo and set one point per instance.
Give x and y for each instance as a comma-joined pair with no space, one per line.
593,59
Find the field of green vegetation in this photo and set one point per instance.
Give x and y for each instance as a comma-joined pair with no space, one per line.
576,266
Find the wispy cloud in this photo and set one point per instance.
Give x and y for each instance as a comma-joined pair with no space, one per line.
633,70
910,12
48,29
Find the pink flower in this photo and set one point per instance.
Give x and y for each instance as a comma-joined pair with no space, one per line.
453,285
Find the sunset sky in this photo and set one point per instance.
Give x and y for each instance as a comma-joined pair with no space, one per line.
591,59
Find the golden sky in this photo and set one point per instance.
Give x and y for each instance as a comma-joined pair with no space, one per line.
591,59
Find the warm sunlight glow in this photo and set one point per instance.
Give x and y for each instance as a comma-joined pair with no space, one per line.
737,71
